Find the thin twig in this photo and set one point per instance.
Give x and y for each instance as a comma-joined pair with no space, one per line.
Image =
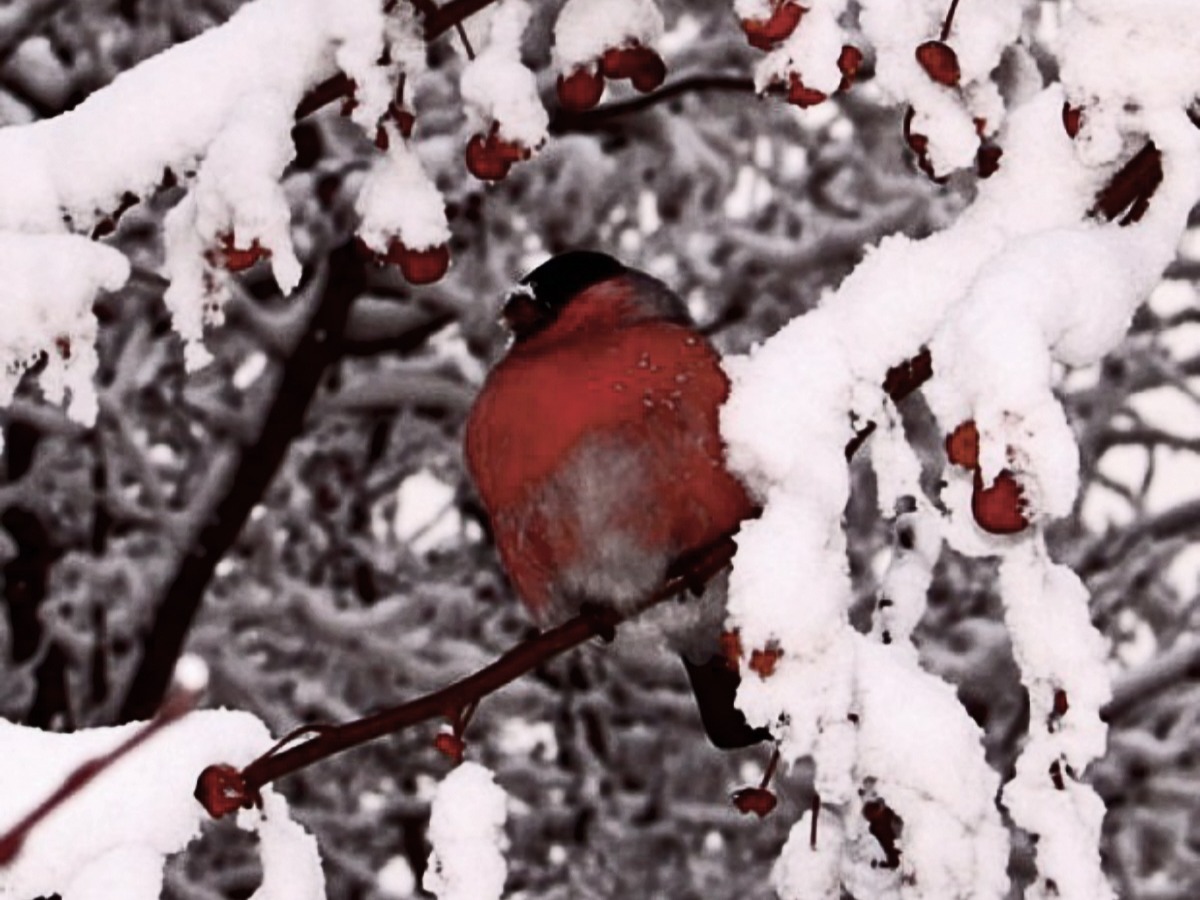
949,20
462,36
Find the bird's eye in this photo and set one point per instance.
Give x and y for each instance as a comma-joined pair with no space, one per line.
524,314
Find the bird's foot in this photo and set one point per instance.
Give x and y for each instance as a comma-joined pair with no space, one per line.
603,619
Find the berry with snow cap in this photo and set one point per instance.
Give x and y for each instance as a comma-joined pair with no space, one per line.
767,34
581,90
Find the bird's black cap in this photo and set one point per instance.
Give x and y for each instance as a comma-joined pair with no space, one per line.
542,294
560,278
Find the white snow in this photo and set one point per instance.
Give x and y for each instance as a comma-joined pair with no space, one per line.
586,28
426,517
47,287
498,88
220,106
1023,283
396,878
398,200
112,838
466,829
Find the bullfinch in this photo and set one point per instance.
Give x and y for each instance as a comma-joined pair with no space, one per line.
594,446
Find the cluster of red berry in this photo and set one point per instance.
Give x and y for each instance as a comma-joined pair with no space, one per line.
1000,508
940,63
767,34
581,89
489,156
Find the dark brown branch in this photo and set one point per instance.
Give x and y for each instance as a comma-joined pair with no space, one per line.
222,790
563,121
302,373
338,87
901,381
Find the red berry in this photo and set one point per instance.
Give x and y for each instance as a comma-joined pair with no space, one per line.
999,508
580,90
1072,117
962,446
617,63
221,790
987,160
483,160
765,34
648,69
764,661
849,62
238,259
755,800
404,120
450,745
804,97
506,151
1061,704
916,141
940,63
419,266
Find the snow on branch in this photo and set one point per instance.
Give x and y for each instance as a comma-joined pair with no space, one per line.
1024,282
114,835
216,113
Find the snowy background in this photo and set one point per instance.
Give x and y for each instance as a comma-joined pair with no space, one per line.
326,557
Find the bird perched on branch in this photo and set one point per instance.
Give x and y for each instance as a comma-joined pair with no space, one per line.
595,448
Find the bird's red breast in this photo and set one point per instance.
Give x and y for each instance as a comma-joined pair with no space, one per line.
595,448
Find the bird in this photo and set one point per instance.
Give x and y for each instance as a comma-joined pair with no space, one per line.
595,449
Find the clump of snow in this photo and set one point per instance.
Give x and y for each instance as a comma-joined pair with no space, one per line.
498,88
191,673
811,51
466,829
922,755
803,870
586,28
398,200
1123,64
47,285
753,9
945,115
426,516
396,878
236,196
145,806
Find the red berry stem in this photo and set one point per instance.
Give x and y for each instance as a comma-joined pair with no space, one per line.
462,36
949,20
816,813
772,765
